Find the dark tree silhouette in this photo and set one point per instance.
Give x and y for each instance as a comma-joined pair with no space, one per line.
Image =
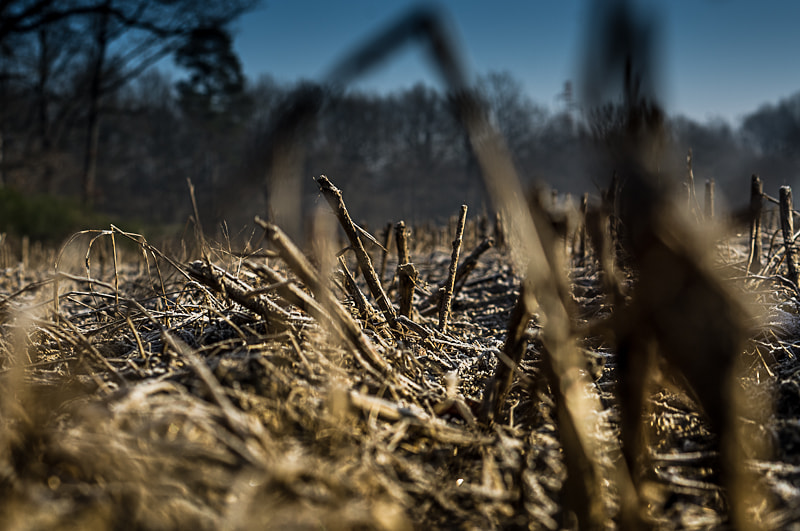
123,39
216,82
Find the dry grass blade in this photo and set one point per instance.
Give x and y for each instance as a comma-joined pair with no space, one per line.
533,246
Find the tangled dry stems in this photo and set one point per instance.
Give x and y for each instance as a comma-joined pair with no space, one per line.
146,398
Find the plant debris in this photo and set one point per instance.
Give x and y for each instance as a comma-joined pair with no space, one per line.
214,395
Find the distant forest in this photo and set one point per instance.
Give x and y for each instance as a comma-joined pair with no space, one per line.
85,115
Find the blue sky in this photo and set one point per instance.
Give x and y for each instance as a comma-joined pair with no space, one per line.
722,58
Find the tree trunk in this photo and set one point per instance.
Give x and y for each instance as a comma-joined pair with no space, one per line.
3,97
756,206
787,227
45,142
93,116
2,160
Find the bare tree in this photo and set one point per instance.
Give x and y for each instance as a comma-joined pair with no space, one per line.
123,39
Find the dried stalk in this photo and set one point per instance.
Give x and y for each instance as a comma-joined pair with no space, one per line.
514,348
533,246
245,427
298,263
401,235
406,280
756,206
26,254
364,308
95,356
289,291
466,267
406,272
198,227
579,251
420,330
690,188
239,291
787,227
387,241
533,242
447,293
709,200
499,231
597,227
334,197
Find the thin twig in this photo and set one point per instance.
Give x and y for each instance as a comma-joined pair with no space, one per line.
447,294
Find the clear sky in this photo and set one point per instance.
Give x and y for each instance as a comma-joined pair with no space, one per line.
722,58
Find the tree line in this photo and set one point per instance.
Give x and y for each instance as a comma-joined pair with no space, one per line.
67,72
85,115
